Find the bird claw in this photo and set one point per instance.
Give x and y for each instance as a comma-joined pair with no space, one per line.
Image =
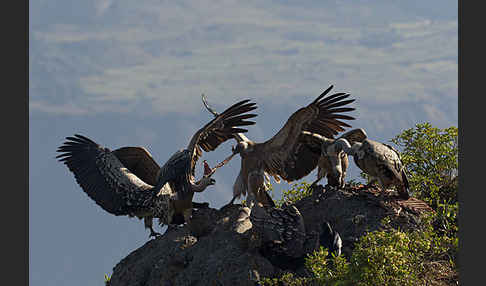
154,234
204,205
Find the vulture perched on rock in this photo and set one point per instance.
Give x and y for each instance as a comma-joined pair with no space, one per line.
380,161
128,181
334,165
286,155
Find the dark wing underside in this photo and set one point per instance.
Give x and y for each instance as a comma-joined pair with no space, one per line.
223,127
239,137
103,177
354,135
140,162
286,155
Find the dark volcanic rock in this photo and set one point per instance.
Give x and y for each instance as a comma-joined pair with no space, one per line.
220,247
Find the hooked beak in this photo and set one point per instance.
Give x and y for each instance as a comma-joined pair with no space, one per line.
208,171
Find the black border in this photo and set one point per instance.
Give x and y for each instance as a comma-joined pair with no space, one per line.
15,143
471,197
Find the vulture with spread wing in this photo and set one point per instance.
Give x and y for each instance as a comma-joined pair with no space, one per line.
333,162
286,156
128,181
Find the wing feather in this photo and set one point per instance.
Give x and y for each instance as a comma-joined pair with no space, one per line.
285,154
140,162
223,127
103,177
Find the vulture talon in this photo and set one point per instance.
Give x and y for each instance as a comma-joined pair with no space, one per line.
154,234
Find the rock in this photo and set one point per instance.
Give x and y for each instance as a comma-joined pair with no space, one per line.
234,246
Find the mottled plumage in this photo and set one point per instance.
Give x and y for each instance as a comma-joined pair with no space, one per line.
330,239
281,230
128,181
380,161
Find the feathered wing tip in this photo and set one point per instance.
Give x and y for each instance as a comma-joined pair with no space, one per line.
330,118
74,146
208,107
99,173
224,126
405,190
323,94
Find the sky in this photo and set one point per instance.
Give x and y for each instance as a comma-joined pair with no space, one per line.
130,73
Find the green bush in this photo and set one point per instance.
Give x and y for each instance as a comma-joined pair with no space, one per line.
297,192
107,280
431,157
390,256
385,257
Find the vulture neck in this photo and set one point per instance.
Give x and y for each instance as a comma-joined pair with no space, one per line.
354,149
240,137
200,185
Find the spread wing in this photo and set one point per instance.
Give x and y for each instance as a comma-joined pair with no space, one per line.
105,179
285,155
223,127
354,135
239,137
140,162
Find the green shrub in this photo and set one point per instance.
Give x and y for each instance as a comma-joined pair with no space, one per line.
107,280
297,192
431,157
390,256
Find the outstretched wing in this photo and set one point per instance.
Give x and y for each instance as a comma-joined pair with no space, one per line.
140,162
239,137
223,127
285,155
354,135
105,179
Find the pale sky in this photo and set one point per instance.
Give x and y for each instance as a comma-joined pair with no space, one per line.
130,73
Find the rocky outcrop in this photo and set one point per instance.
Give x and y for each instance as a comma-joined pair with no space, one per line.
231,247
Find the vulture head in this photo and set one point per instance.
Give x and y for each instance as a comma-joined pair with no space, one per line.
338,146
336,151
206,180
241,148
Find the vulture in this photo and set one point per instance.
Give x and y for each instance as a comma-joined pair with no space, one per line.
334,165
380,161
330,239
286,156
128,181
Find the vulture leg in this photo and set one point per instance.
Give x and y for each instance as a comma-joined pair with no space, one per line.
404,194
256,183
321,172
148,224
373,180
200,205
315,182
232,201
187,213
